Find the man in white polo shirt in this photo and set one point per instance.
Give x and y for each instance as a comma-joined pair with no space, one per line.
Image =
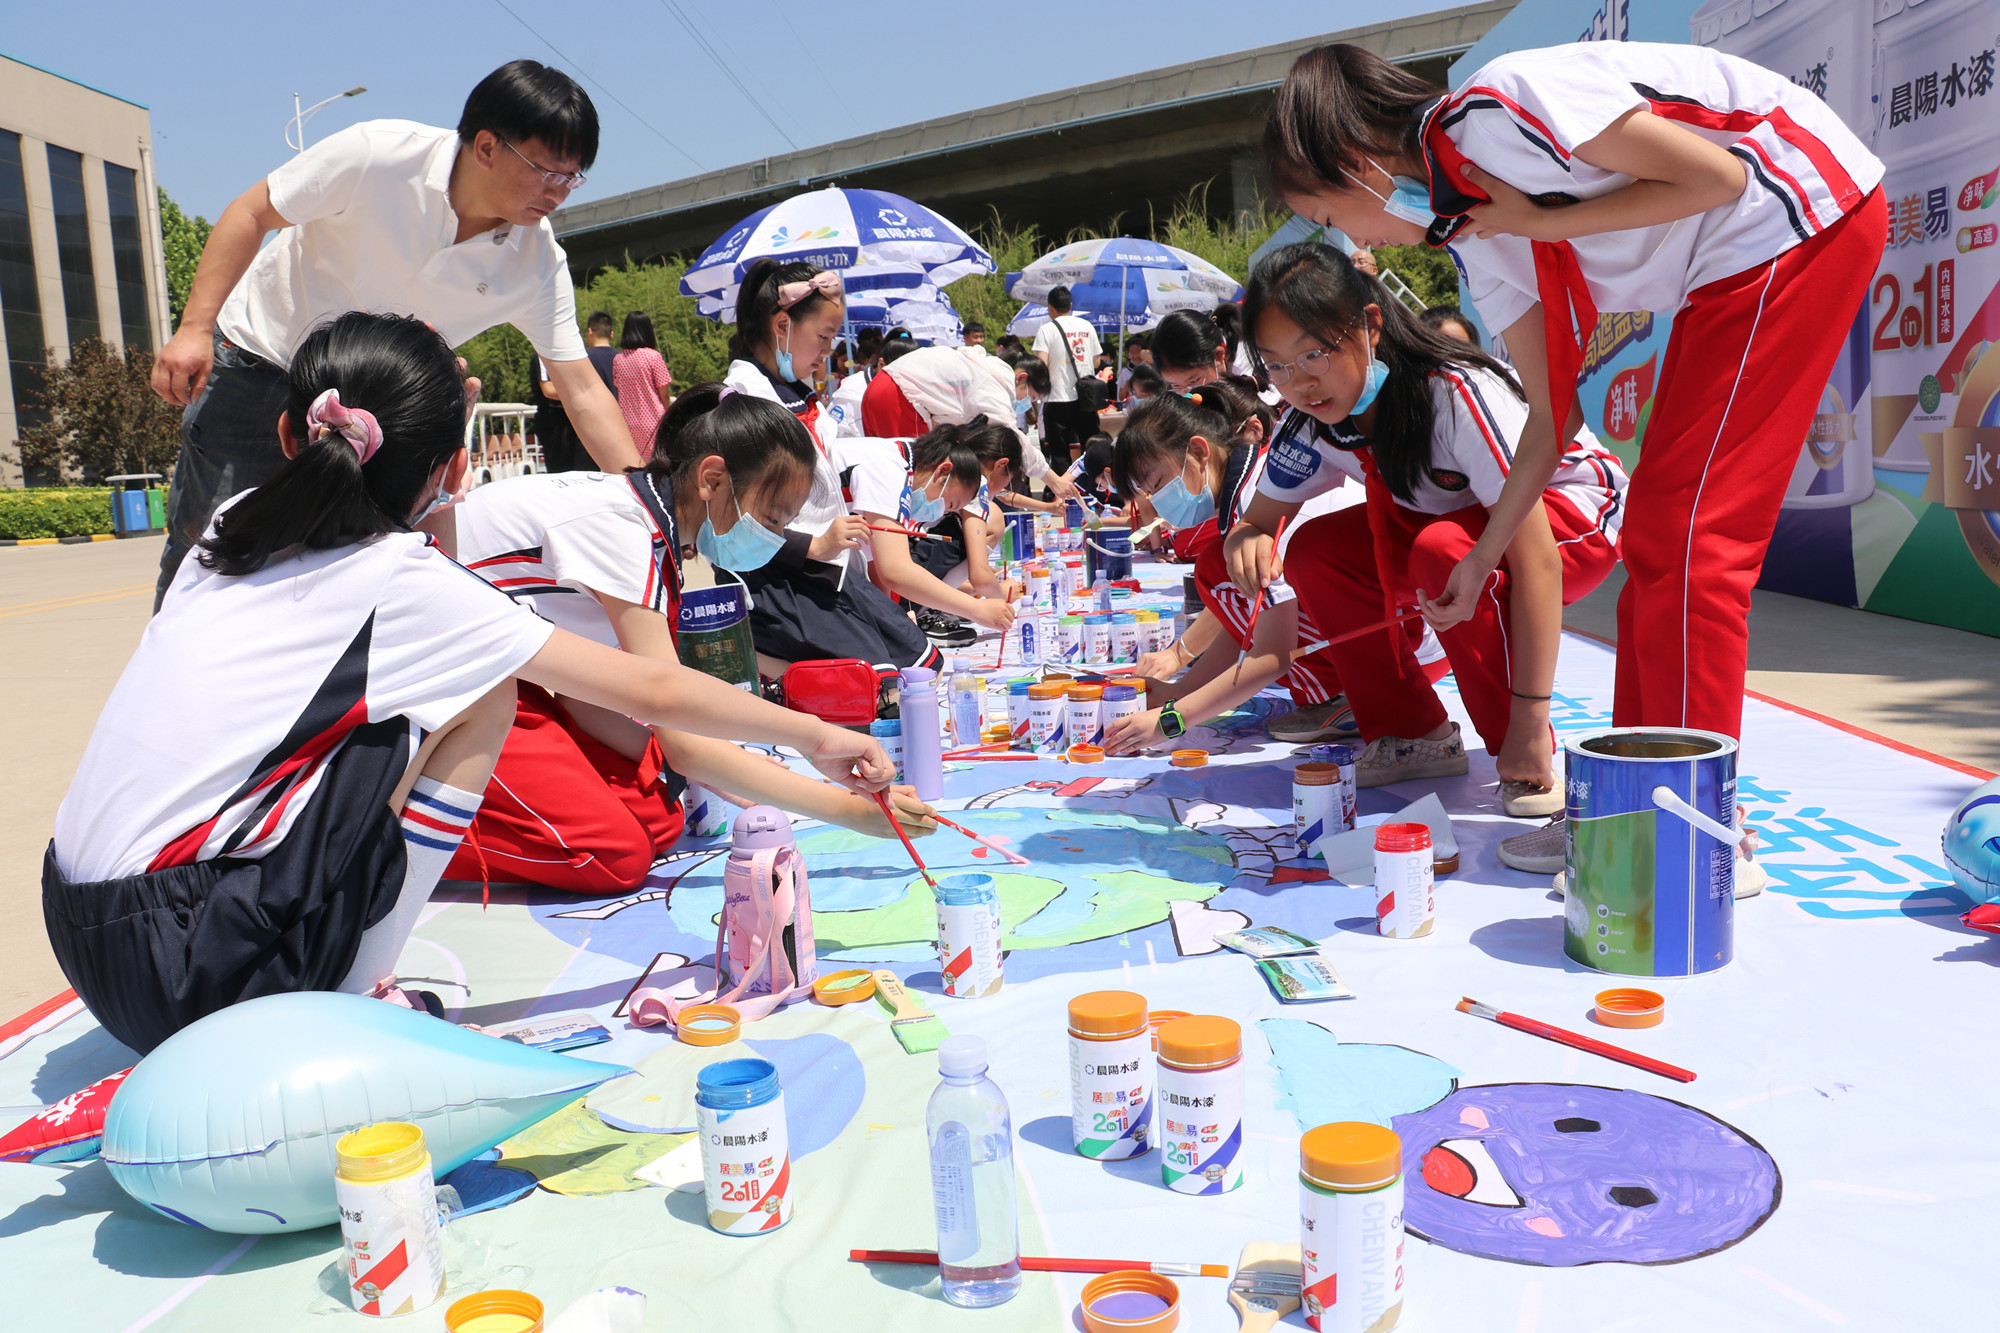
387,215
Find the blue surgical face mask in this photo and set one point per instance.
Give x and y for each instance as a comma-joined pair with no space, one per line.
1180,506
1378,375
746,546
919,508
786,371
444,499
1410,200
1021,406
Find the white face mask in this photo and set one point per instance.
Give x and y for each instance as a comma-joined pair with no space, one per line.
1409,201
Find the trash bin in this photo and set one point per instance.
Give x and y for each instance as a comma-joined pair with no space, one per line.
133,511
156,507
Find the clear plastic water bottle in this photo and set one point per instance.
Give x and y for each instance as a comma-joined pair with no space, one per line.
972,1179
1100,591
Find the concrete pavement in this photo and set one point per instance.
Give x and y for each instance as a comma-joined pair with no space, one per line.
70,617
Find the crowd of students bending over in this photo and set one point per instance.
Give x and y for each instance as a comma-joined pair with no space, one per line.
423,683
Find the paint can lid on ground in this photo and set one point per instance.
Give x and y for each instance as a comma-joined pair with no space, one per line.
1201,1041
1131,1301
709,1025
1108,1014
1189,759
1350,1155
492,1311
1631,1008
1086,754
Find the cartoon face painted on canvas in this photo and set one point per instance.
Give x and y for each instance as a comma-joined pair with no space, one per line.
1565,1174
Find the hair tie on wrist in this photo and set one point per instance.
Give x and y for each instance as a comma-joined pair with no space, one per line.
356,425
1533,698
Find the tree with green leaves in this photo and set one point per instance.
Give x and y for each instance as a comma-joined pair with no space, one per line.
104,418
181,241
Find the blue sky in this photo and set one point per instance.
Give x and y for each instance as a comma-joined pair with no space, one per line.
219,75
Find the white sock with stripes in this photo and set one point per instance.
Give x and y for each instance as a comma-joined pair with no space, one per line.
435,819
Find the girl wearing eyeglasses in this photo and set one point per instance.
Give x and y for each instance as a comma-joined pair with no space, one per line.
1430,425
1198,456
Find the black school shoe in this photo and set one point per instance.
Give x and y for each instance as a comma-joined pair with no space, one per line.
944,629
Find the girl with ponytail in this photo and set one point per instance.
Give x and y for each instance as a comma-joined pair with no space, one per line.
1197,456
587,799
812,598
294,752
1430,424
1620,176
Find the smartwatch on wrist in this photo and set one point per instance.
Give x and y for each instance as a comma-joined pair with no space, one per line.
1172,724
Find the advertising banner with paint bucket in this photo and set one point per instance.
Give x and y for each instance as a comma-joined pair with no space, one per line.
714,633
1651,889
1894,499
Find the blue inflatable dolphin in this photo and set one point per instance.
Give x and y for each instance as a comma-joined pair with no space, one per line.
230,1124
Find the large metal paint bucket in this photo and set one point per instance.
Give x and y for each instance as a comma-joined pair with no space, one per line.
1651,894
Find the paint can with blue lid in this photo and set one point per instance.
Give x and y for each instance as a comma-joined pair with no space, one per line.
1651,888
746,1160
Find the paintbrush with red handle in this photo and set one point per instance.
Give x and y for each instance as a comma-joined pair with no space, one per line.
1033,1264
882,799
1257,605
1013,857
1550,1032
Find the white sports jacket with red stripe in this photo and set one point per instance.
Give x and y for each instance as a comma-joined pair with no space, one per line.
1522,116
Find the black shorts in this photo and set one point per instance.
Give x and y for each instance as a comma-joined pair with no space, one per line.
151,953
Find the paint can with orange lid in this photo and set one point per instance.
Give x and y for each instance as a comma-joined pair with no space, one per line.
1201,1104
1110,1075
1351,1227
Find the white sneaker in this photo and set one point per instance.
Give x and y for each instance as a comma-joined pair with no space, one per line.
1398,759
1542,851
1527,800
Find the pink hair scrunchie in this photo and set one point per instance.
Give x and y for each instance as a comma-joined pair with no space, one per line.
826,283
356,425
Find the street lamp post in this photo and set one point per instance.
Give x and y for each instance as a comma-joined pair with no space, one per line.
295,128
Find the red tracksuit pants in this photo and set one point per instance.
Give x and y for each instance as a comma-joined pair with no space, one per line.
1744,369
1341,587
1314,678
567,811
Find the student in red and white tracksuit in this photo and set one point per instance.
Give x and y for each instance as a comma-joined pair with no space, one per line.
1218,434
1621,176
584,799
1431,426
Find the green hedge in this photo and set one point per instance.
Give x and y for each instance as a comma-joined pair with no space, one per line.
55,511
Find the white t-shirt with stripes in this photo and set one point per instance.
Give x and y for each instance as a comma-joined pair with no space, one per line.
1475,428
1522,116
242,689
553,540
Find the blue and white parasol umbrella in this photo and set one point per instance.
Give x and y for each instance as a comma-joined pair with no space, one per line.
1129,281
866,285
839,229
1029,320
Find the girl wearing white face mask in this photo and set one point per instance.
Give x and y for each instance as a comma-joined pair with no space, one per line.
1621,176
812,599
1198,456
897,486
1430,424
586,800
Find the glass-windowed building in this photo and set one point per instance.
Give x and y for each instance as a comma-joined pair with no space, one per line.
79,234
